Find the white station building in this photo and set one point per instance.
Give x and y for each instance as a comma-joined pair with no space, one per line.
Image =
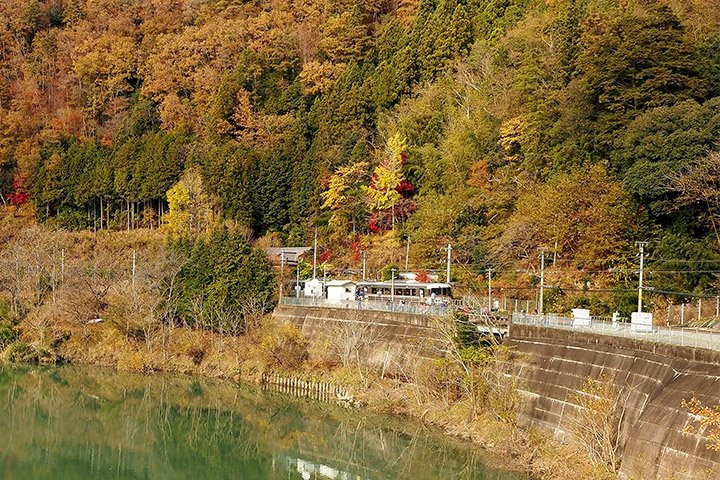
339,291
313,288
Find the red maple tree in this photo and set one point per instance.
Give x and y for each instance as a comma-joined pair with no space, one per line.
19,195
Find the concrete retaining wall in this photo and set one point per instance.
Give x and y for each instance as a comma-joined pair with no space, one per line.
383,338
554,365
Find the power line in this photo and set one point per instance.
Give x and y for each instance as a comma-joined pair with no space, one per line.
468,267
680,260
683,271
681,294
608,259
557,287
606,270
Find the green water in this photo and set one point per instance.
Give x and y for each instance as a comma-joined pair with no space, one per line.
71,423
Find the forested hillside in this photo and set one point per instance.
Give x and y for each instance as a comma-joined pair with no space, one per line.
503,127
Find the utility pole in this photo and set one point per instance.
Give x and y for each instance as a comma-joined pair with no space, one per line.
392,287
297,279
133,269
489,273
699,307
641,246
315,255
282,271
447,273
364,260
542,280
407,251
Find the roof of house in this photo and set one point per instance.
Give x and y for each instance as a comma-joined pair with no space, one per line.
339,283
287,254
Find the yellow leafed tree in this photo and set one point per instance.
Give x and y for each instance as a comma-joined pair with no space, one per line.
343,197
191,210
382,192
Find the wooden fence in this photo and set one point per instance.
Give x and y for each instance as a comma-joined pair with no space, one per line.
322,391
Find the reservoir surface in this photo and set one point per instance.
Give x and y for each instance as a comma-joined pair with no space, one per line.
83,423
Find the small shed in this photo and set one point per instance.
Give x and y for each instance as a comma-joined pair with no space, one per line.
340,291
287,255
313,288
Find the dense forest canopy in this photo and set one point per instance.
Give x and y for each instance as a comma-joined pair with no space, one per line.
503,127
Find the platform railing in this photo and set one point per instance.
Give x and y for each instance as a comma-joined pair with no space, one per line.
386,305
672,335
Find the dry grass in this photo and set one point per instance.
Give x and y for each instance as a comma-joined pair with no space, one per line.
510,447
131,338
246,357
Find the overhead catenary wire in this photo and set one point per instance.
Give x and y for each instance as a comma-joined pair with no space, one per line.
468,267
600,270
559,287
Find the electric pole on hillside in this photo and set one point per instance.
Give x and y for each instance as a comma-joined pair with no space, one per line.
392,288
407,251
447,272
282,270
542,280
134,262
489,272
364,260
315,255
641,246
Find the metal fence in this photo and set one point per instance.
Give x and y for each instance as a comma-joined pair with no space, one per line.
672,335
503,305
397,306
698,311
683,336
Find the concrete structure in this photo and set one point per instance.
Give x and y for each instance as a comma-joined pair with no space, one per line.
581,317
552,365
384,338
340,291
655,378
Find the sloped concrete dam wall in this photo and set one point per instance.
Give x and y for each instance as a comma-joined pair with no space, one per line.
384,339
554,365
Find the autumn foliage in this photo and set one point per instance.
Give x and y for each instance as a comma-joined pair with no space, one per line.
505,129
20,194
708,418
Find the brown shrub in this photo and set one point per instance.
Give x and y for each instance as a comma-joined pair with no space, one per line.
280,345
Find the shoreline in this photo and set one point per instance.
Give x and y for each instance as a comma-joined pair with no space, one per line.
242,359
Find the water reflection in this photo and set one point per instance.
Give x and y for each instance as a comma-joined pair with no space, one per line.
308,469
75,423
